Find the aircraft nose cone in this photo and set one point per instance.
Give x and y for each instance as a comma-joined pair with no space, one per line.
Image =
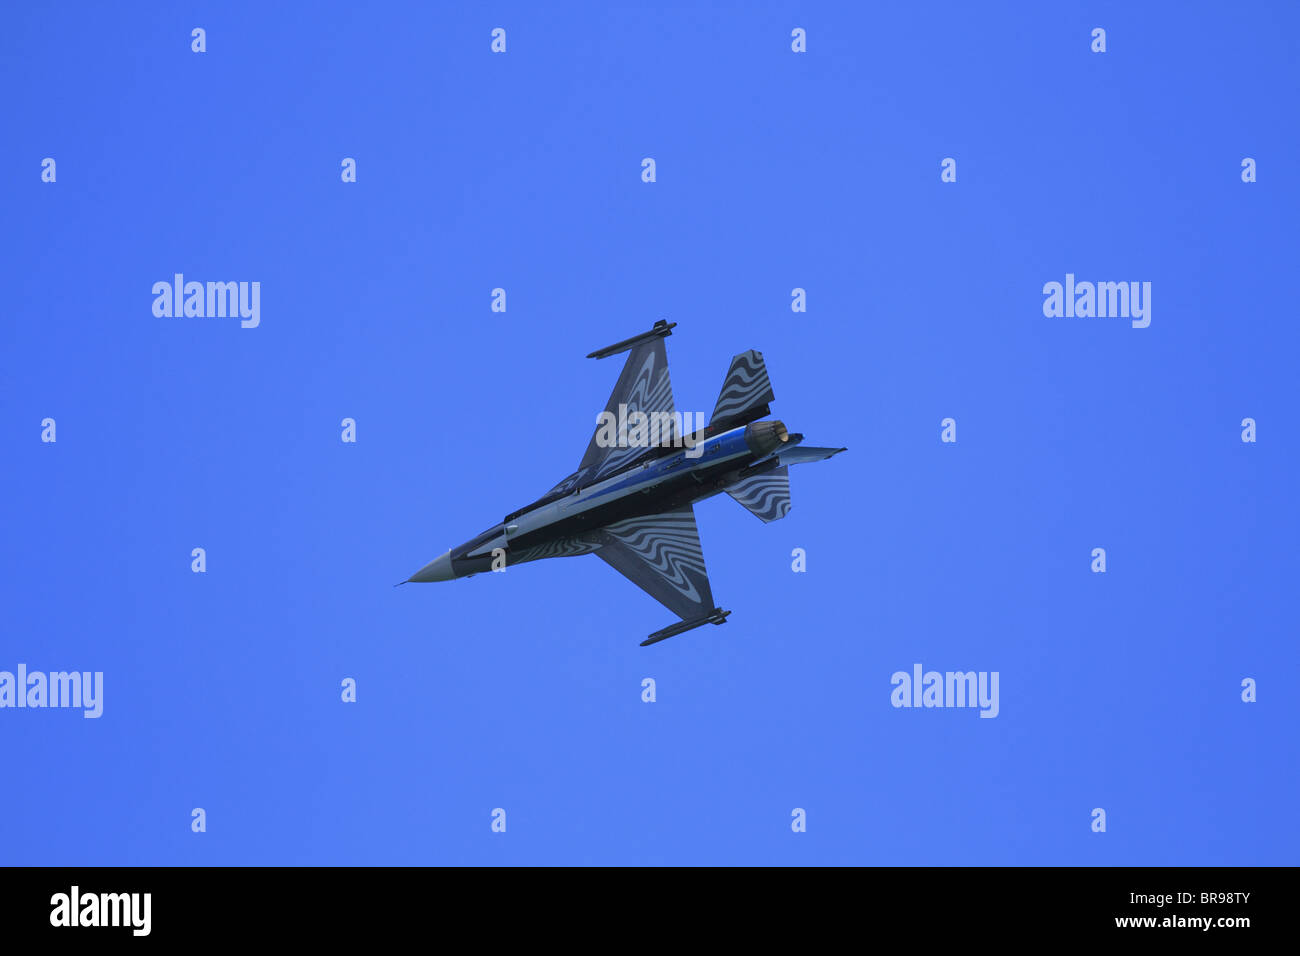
439,569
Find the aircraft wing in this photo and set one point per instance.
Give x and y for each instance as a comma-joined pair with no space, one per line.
643,386
661,555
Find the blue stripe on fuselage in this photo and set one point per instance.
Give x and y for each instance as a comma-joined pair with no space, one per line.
715,449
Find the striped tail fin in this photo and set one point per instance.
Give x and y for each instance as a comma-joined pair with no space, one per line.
746,392
766,495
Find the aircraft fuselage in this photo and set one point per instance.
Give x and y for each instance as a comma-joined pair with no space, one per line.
656,482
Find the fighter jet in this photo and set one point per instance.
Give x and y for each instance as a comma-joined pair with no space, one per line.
631,501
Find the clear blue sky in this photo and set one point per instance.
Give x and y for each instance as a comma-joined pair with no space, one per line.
775,170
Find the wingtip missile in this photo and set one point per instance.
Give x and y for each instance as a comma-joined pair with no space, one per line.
717,616
661,328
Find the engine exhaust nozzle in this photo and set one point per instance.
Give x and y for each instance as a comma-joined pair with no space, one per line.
763,438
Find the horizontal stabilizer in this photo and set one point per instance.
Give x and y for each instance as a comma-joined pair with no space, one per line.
717,616
746,392
766,495
805,453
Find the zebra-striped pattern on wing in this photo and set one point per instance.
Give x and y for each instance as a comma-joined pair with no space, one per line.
662,555
746,386
766,495
647,389
643,386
